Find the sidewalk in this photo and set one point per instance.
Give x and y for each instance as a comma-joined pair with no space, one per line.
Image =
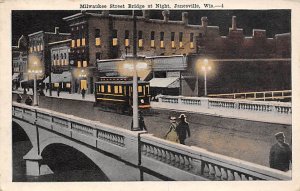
62,95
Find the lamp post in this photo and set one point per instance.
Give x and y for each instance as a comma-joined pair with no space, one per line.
205,68
35,72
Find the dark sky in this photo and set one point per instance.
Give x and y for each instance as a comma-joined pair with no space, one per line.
274,21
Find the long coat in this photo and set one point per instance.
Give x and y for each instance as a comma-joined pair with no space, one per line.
280,157
183,129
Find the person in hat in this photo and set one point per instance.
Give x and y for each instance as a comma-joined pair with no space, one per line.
183,129
172,133
280,154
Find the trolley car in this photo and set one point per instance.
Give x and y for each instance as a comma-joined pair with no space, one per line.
115,93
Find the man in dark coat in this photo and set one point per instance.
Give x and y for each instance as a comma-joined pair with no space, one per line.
280,154
142,125
183,129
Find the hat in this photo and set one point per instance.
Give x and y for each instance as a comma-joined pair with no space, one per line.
182,116
280,134
172,118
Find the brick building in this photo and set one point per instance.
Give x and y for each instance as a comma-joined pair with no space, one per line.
38,49
104,36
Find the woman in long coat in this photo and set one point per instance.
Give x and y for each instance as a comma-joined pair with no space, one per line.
172,133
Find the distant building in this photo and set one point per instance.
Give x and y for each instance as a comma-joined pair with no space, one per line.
19,59
60,66
38,49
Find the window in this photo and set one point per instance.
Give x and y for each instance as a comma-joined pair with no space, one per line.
102,88
140,89
62,58
152,37
126,38
56,85
120,89
79,64
31,49
78,42
192,40
98,56
84,63
65,56
42,47
73,44
108,88
173,39
116,89
140,37
115,37
68,85
97,37
38,47
162,39
83,39
180,39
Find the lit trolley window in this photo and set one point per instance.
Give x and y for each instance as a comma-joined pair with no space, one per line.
140,89
120,89
116,88
102,88
109,88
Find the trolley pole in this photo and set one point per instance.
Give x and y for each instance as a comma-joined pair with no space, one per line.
135,79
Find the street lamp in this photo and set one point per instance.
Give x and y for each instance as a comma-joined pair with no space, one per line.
205,68
134,64
35,72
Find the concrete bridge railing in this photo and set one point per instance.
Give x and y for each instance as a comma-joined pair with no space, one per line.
275,112
175,161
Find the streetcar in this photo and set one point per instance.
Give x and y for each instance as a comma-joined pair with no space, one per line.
115,94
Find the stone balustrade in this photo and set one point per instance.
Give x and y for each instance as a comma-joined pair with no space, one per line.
233,108
172,160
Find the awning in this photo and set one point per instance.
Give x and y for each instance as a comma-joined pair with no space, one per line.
56,78
171,82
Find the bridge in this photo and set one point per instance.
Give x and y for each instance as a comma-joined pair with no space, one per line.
124,155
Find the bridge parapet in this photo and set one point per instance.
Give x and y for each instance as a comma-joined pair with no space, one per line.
193,163
269,111
119,142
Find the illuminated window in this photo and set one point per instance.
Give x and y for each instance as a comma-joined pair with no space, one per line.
38,48
102,88
83,42
180,39
116,89
140,37
120,89
73,44
97,37
109,88
192,40
66,60
126,38
152,38
30,49
162,34
173,39
42,47
68,85
78,42
140,89
84,64
115,37
79,64
34,48
56,85
83,38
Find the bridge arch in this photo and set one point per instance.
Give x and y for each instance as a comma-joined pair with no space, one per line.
69,164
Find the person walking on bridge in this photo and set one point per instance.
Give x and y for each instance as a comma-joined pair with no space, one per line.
172,133
183,129
280,154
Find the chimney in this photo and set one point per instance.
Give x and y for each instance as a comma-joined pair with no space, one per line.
56,30
105,12
185,18
146,14
204,21
166,14
233,23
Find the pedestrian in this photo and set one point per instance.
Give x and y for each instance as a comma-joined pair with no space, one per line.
28,101
58,91
83,93
172,133
183,129
142,125
19,99
280,154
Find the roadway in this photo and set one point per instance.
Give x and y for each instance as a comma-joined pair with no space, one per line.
242,139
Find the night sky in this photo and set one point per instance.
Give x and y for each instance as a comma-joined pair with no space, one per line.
274,21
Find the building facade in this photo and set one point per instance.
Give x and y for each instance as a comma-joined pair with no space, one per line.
104,36
39,55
